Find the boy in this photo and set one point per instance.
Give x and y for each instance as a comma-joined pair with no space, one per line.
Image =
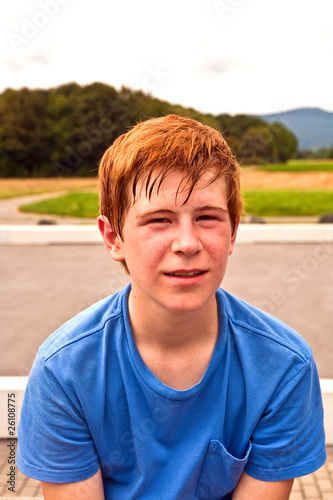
171,388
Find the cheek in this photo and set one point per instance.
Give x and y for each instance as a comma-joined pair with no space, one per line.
218,246
155,243
147,251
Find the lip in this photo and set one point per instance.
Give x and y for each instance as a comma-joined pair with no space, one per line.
185,271
186,276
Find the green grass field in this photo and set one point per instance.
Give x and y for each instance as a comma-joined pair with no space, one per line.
74,204
278,202
300,166
259,201
285,202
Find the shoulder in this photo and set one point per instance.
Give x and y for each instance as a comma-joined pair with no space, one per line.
262,329
86,327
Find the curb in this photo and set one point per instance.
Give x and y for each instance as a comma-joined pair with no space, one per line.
48,235
247,233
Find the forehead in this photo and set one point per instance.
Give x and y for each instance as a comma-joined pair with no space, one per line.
178,188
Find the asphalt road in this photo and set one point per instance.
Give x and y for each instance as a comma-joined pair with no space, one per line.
43,286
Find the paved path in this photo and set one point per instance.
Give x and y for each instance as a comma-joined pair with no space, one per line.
10,214
42,286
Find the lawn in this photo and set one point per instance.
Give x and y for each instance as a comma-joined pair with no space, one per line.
263,202
11,187
73,204
285,202
300,166
299,187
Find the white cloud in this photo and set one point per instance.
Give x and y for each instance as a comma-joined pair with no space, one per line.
258,57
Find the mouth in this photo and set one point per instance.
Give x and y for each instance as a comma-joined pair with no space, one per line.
185,274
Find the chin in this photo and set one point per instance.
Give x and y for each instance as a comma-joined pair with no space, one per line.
188,305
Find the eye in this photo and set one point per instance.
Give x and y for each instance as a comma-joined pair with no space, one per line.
207,217
160,220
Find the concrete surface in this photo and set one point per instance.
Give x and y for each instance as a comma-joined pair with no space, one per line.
42,286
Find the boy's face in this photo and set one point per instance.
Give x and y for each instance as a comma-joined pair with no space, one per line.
176,254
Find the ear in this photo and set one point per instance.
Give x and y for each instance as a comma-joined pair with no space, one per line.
233,237
112,241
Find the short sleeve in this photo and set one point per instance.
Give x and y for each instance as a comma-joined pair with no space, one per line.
55,444
289,440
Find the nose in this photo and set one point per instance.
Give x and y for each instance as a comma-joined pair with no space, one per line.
186,239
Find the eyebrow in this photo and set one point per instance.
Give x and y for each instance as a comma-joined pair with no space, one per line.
165,211
212,207
150,213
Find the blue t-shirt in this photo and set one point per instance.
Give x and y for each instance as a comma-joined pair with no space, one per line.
91,402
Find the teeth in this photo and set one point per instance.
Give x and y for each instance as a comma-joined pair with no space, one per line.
186,274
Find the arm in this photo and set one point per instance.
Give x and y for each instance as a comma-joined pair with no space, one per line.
89,489
249,488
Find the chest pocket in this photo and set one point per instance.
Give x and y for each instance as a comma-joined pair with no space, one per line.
220,473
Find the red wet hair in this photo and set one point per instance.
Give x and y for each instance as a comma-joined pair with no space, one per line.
153,149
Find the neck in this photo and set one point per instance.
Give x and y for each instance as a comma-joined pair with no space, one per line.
177,348
169,330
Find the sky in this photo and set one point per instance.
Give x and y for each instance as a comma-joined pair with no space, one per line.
216,56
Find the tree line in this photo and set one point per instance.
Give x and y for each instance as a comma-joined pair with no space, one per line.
64,131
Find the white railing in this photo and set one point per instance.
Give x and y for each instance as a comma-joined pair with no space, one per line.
88,233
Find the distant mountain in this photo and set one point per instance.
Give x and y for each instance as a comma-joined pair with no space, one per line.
313,127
